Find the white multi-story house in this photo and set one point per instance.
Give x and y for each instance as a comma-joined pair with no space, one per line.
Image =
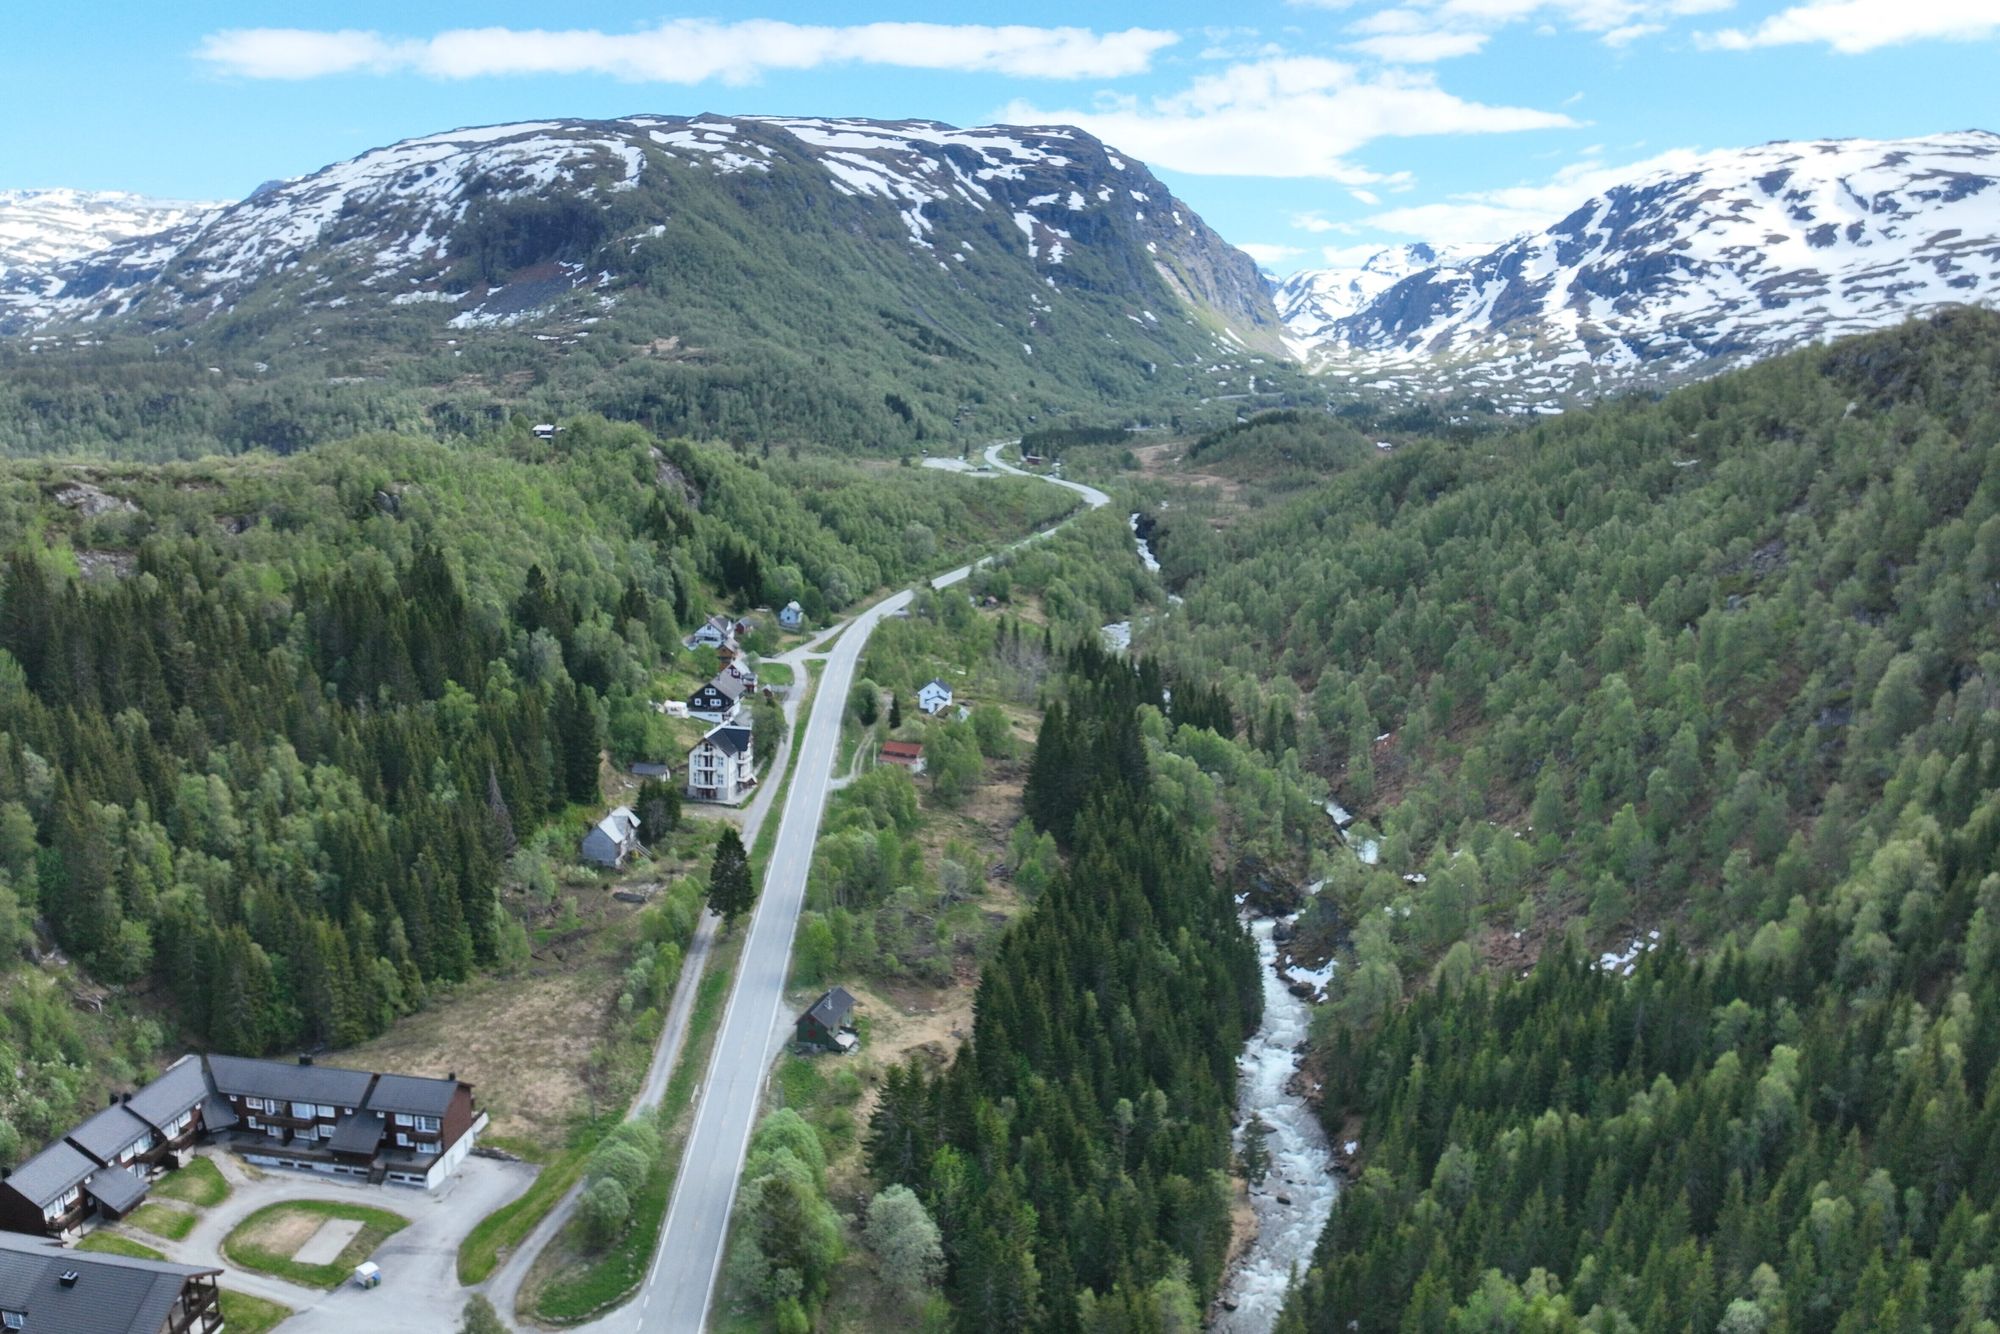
722,766
934,698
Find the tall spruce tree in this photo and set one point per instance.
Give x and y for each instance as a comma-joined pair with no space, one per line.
730,891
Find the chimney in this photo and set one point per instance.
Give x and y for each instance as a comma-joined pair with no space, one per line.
305,1060
111,1098
453,1076
127,1098
69,1278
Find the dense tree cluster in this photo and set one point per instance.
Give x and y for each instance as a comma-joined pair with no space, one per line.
1073,1154
1720,665
268,731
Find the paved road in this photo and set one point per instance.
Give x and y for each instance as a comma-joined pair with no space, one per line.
419,1264
681,1285
503,1289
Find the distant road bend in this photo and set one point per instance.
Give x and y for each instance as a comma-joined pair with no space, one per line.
678,1291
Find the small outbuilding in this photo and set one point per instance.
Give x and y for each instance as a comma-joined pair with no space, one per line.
904,754
828,1022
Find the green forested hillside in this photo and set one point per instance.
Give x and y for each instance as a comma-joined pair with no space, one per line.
1719,666
698,295
268,728
1074,1152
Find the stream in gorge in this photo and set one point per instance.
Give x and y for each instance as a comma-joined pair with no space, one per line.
1295,1198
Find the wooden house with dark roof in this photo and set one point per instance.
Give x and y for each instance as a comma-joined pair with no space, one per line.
117,1137
828,1022
46,1289
172,1105
408,1129
45,1193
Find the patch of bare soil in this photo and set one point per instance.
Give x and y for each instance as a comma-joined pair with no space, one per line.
282,1231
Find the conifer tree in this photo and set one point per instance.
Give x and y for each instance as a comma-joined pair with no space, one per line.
730,891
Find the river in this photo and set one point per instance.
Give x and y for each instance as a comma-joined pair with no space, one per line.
1295,1198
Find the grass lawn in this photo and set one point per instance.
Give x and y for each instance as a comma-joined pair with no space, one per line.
244,1314
162,1220
267,1239
199,1183
583,1283
110,1243
505,1227
774,674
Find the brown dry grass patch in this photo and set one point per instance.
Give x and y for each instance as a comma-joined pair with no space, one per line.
521,1041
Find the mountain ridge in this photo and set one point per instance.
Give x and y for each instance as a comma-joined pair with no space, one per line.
880,282
1684,272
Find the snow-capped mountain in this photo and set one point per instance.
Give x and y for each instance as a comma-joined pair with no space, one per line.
1312,301
40,229
1687,272
500,224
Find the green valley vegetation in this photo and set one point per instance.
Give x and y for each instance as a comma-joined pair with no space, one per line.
1073,1155
771,305
1673,722
271,728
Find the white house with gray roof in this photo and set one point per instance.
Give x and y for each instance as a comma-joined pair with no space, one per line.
722,766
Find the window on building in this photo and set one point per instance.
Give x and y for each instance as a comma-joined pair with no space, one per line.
304,1111
326,1111
402,1139
326,1132
13,1319
252,1123
255,1104
429,1123
402,1118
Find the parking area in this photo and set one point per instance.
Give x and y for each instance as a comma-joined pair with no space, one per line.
419,1288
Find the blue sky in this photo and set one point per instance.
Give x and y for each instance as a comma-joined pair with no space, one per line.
1305,131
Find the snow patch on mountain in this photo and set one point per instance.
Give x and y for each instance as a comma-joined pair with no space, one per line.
40,229
436,214
1684,272
1311,300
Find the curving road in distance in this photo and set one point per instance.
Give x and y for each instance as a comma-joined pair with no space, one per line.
680,1287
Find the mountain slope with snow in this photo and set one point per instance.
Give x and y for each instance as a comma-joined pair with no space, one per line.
881,282
1688,272
40,229
1312,302
471,208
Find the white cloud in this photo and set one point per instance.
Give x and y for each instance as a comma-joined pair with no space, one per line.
1854,26
1488,217
1267,255
1631,33
1368,197
1294,117
1350,256
1314,222
1421,32
1420,48
687,51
